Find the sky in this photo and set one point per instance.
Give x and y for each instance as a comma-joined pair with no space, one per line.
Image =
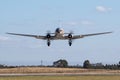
39,16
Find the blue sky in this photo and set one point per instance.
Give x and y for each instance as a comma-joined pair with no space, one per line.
39,16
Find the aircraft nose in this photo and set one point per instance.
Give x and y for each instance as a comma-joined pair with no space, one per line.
58,30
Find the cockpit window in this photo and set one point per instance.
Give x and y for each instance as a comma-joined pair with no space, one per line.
58,30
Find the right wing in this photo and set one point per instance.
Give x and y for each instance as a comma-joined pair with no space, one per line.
28,35
87,35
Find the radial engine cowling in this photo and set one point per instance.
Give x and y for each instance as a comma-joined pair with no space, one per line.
70,36
48,36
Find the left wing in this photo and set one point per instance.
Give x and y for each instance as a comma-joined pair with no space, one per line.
28,35
86,35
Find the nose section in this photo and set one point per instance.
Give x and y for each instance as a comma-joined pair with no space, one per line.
58,30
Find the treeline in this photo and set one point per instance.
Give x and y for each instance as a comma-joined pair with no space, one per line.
89,65
62,63
6,66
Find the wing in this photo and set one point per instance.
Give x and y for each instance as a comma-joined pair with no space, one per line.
28,35
86,35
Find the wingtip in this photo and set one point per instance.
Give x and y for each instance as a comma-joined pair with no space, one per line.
111,32
8,33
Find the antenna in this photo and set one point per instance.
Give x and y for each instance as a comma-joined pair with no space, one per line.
41,63
59,23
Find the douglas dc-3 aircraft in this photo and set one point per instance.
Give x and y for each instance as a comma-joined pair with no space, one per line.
59,35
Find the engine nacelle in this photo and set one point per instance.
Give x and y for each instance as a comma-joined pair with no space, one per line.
70,36
48,36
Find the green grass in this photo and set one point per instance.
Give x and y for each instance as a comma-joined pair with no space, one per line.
61,78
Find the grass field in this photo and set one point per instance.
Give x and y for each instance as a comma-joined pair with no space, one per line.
54,70
61,78
84,74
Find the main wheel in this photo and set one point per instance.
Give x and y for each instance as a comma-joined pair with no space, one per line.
70,43
48,43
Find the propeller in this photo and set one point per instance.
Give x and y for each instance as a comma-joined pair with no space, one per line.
70,35
71,32
48,35
48,32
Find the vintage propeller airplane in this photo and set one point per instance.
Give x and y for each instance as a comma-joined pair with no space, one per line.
59,35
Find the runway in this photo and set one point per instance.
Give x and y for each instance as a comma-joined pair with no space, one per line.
61,74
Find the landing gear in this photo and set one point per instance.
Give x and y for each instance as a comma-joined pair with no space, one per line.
48,42
70,39
70,42
48,36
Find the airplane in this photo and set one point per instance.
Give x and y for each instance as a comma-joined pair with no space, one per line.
59,35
